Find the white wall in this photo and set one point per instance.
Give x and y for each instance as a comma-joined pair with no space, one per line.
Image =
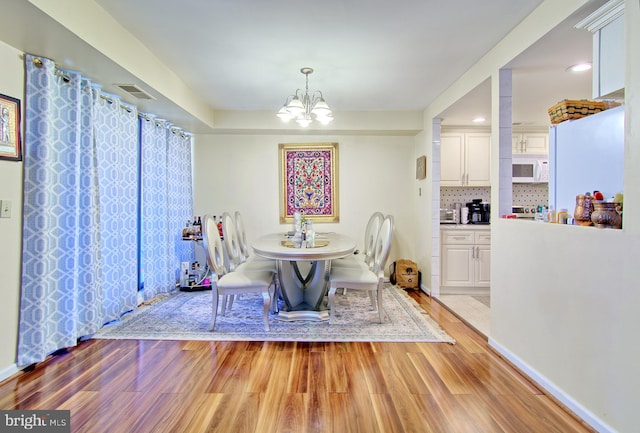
376,173
11,84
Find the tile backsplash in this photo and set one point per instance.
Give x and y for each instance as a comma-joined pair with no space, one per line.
524,194
530,194
454,194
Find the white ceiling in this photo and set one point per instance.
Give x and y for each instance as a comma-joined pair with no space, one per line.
540,77
368,55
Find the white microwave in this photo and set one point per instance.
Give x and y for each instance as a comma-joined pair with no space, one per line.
530,169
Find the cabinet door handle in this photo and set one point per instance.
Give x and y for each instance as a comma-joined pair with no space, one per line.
473,252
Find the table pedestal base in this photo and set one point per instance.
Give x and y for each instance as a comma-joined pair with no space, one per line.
306,315
304,286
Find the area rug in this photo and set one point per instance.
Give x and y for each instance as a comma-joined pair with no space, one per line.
186,316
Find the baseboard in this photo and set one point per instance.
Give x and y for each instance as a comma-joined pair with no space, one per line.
425,289
552,390
469,291
9,371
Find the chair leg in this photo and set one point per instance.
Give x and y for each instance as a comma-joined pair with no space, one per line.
214,309
266,298
380,309
330,304
372,298
223,306
275,295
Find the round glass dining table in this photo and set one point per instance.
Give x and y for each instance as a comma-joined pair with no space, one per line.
303,273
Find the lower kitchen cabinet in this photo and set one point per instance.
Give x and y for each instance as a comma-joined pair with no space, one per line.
465,261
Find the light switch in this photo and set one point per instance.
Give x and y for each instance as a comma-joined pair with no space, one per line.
5,209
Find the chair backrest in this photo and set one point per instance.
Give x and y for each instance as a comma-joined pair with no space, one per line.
370,235
242,236
231,241
383,244
213,246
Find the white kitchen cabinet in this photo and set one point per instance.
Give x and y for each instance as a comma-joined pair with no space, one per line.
607,26
465,159
530,142
465,261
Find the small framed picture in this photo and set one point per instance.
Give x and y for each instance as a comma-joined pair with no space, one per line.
421,167
10,146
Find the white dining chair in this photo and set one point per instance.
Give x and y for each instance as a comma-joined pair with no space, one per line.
237,249
232,281
370,279
370,234
243,245
238,260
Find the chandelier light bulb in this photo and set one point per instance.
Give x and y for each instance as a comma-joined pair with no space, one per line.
300,106
303,121
321,109
284,114
325,119
295,107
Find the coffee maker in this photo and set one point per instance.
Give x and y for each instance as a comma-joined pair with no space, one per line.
479,212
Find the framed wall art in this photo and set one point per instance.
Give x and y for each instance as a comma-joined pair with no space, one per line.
309,181
421,167
10,145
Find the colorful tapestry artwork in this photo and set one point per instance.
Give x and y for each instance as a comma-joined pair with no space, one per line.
308,181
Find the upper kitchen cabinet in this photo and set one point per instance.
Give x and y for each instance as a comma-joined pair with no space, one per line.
607,26
465,159
530,142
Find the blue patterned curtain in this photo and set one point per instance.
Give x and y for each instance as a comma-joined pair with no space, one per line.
80,192
180,195
166,203
116,131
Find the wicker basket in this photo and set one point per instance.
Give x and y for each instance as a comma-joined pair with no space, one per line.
574,109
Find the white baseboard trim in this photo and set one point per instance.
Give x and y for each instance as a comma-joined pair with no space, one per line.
549,387
9,371
425,289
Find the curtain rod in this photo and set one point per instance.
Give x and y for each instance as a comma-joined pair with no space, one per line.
176,130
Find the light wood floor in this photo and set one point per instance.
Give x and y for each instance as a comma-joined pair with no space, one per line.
263,387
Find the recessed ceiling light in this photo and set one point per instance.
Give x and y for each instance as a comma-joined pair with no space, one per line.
479,119
580,67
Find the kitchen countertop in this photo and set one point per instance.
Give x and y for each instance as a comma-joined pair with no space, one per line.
465,226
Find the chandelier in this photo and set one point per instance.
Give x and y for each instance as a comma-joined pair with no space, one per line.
300,106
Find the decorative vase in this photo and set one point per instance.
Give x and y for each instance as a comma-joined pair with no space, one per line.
605,215
584,208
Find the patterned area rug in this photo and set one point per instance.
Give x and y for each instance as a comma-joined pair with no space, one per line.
186,316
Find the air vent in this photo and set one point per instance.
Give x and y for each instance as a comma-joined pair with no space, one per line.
134,91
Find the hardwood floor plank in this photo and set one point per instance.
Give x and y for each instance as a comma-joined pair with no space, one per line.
203,409
292,414
335,372
261,369
387,417
479,413
271,387
299,372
